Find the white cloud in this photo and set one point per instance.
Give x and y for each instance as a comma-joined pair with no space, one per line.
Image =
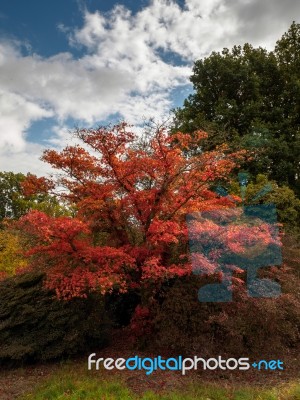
124,68
16,115
26,159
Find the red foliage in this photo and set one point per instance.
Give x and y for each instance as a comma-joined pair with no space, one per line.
3,275
227,237
33,185
141,324
132,197
63,246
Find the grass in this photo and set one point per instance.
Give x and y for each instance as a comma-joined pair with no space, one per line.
71,383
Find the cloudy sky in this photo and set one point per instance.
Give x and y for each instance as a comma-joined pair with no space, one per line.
84,63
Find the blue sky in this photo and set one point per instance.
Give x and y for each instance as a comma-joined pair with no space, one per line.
76,62
36,22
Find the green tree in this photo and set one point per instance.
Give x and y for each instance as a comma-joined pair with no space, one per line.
285,200
11,204
250,98
17,198
287,50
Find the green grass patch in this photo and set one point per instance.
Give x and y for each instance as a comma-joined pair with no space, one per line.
76,383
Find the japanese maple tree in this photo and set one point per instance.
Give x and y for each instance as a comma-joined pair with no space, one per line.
131,194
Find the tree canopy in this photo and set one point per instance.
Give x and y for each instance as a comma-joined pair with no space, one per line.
250,97
131,196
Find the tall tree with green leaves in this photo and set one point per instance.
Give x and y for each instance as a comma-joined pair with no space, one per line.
250,98
11,204
17,196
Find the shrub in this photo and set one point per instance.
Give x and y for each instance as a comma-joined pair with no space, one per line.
34,325
246,325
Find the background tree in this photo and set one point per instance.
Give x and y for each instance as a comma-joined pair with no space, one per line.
11,204
286,202
253,95
17,196
11,259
